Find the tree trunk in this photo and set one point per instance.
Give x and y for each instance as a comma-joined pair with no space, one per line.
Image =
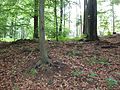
85,18
56,21
77,20
64,15
35,35
92,20
69,16
113,16
12,29
80,32
43,51
61,16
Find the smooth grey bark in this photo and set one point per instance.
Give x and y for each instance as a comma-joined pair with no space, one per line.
43,51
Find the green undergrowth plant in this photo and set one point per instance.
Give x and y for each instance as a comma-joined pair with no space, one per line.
109,33
61,38
98,60
16,87
111,82
75,39
83,36
92,74
65,37
33,72
74,53
76,73
7,39
69,38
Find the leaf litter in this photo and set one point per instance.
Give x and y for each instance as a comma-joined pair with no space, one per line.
77,65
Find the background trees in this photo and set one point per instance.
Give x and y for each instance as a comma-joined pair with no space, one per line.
81,61
19,19
108,17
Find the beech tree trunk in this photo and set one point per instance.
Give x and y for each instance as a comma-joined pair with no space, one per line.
92,20
43,51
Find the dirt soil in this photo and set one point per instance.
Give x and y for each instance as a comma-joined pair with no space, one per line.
77,65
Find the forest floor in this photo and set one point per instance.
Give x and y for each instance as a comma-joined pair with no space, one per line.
77,65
